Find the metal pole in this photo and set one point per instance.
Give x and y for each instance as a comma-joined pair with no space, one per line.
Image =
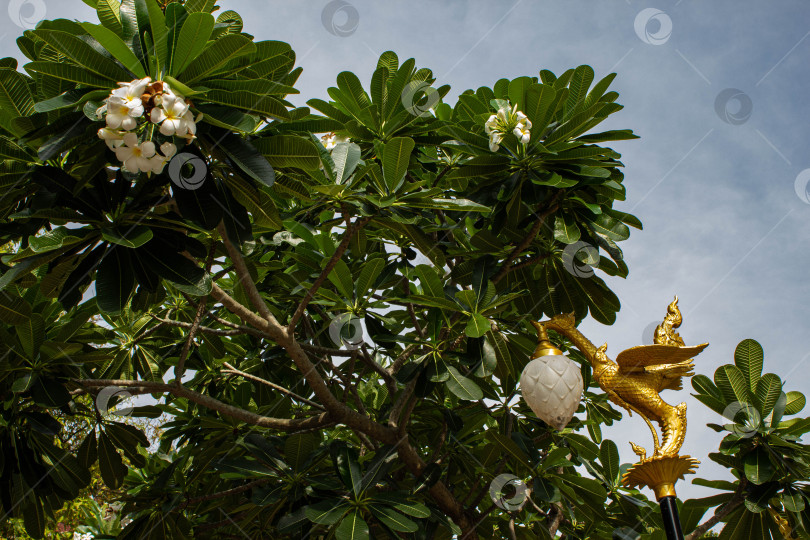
672,523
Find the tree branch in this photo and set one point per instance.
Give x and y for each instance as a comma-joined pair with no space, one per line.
350,231
281,424
274,386
520,248
720,513
244,276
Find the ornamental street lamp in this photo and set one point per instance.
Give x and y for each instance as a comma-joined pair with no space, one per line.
633,381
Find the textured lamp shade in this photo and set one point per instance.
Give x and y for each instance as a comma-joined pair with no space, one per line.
551,384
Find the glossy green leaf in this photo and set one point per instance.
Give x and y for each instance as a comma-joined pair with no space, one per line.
289,151
758,467
395,158
463,387
353,527
191,40
116,46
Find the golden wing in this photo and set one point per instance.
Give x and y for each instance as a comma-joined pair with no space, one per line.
635,358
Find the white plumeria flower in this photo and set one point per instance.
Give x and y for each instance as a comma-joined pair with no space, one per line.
112,137
131,93
159,161
168,149
190,125
495,140
491,124
119,115
522,132
134,156
171,116
504,121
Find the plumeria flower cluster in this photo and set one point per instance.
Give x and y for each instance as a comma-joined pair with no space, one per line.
331,139
504,121
85,536
156,103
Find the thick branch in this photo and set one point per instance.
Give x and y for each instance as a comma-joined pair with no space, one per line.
344,244
244,276
338,411
281,424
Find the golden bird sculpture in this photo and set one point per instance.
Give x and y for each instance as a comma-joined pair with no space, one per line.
634,382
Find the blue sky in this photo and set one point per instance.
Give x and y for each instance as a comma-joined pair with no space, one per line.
724,227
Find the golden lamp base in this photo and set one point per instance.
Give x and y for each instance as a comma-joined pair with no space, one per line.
660,474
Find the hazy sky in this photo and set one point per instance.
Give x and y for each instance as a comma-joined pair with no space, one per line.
716,180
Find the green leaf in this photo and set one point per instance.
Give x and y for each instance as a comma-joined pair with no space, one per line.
248,159
83,54
215,56
792,499
116,46
298,447
748,356
115,280
31,334
346,157
565,229
23,383
393,519
795,402
66,72
395,159
200,5
110,464
348,469
109,14
477,326
768,390
157,22
609,457
194,35
731,382
250,102
463,387
352,528
368,275
50,393
289,151
33,516
129,237
13,309
758,467
173,267
403,504
326,512
15,97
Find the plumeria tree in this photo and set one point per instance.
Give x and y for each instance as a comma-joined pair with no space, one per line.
329,307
